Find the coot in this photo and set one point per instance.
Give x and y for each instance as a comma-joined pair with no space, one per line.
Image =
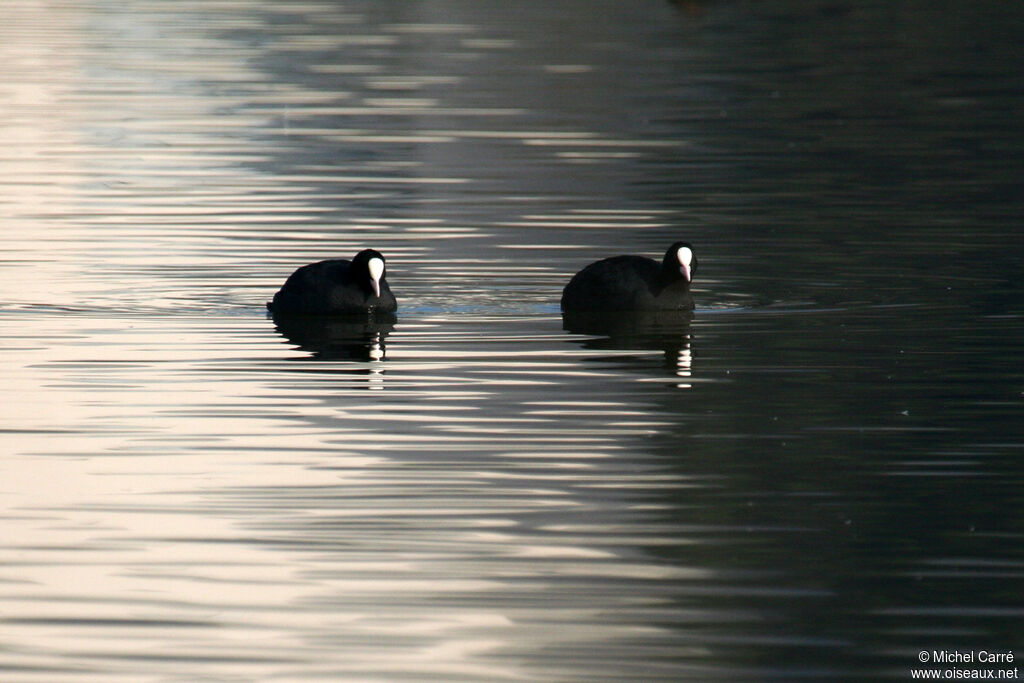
634,283
337,287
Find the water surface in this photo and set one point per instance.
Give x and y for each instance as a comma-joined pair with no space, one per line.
816,477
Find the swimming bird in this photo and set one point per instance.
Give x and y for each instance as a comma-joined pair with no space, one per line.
337,287
634,283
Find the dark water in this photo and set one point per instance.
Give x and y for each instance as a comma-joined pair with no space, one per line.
817,477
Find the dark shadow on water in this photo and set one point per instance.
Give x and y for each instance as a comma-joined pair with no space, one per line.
357,338
667,331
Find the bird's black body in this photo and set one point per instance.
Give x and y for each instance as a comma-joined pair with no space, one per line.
633,283
335,287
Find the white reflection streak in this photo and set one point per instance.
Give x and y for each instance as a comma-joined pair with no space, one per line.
376,378
376,348
684,364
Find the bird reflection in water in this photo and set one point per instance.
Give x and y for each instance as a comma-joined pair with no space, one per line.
684,363
354,338
667,331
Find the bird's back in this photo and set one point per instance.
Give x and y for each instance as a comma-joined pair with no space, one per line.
616,283
315,288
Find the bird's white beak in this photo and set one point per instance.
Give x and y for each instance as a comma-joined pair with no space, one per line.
685,270
376,268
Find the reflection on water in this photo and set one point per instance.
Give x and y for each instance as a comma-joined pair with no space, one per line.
337,337
815,476
668,331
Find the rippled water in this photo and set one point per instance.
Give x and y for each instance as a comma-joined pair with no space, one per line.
816,477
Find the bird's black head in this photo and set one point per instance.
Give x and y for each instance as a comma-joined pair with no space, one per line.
680,263
368,266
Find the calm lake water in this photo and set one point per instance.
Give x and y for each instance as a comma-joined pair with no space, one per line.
817,477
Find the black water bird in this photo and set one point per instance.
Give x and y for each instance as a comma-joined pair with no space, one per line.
634,283
337,287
